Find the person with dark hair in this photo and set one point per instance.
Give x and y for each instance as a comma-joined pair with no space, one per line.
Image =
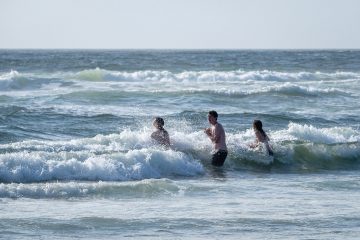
216,134
161,136
261,137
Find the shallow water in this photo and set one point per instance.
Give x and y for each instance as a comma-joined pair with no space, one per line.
77,161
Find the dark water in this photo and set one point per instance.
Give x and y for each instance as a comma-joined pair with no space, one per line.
180,60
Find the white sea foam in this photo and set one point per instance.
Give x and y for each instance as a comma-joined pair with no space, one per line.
146,187
293,89
326,143
9,75
209,76
323,135
131,154
282,88
121,156
313,148
134,164
12,80
9,79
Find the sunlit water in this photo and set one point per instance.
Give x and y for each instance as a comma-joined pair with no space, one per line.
77,161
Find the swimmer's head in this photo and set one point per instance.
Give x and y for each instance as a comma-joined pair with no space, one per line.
158,123
212,117
257,125
213,113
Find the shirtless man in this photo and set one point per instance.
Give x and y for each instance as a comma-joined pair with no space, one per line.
216,134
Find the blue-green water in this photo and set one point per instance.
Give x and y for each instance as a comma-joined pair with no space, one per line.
77,161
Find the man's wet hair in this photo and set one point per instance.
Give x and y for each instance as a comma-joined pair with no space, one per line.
159,121
213,113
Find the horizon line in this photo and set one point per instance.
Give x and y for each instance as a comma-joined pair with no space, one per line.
191,49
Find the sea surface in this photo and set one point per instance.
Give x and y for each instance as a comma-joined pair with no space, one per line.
77,160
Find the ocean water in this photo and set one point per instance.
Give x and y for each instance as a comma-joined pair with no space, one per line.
77,161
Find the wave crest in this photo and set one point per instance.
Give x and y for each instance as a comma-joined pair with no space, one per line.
209,76
131,155
231,83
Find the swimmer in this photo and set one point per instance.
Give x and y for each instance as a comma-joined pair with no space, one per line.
216,134
161,136
261,137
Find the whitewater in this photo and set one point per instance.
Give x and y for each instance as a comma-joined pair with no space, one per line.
77,160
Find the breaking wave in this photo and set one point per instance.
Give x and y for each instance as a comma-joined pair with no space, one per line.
130,155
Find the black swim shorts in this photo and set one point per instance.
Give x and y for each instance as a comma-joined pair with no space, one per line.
218,158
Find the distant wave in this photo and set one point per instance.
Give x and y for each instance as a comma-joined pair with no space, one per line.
108,86
98,74
15,81
293,89
209,76
98,82
287,89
